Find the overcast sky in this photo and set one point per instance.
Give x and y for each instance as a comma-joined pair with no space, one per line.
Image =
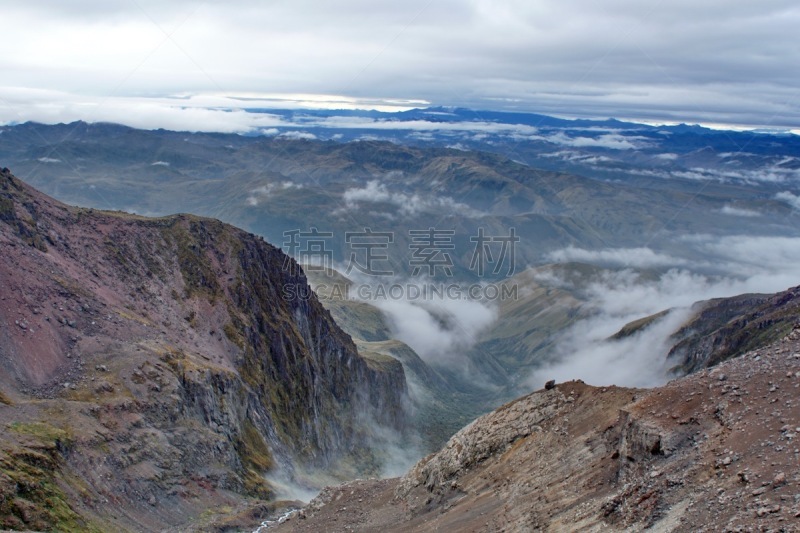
711,61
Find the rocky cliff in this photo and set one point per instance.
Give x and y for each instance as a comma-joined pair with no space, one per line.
713,451
153,369
727,327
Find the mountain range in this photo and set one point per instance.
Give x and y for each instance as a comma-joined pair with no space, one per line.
166,370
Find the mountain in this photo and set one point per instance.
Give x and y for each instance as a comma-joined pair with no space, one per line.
724,328
276,185
154,370
713,450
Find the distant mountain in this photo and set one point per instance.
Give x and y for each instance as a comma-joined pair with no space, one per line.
275,185
153,371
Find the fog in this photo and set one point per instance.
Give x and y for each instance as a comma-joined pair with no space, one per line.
584,350
440,329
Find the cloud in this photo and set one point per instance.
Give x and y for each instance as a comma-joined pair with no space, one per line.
747,264
299,135
610,141
727,64
627,257
739,212
346,122
792,199
439,329
408,204
636,361
263,192
760,264
768,174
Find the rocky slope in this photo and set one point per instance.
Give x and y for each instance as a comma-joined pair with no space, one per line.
152,370
727,327
713,451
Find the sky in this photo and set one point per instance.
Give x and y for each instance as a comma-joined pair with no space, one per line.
715,61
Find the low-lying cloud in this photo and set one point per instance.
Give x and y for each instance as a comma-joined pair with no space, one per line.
739,212
407,204
259,194
609,141
792,199
627,257
584,351
438,327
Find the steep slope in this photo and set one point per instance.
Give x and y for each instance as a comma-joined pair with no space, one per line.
727,327
441,402
152,369
714,451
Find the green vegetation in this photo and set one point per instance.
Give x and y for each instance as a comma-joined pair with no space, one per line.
198,274
632,328
6,209
379,361
43,432
30,495
256,460
233,335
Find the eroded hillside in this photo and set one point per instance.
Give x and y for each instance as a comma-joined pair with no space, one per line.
152,371
713,451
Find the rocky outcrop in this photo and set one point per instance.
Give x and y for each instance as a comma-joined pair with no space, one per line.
712,451
168,352
483,438
727,327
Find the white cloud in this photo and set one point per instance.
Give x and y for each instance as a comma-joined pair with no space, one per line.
792,199
768,174
439,329
750,265
610,141
637,361
299,135
716,62
761,264
739,212
626,257
260,193
667,156
407,204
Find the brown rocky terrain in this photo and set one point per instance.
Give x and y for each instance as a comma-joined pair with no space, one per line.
712,451
723,328
152,373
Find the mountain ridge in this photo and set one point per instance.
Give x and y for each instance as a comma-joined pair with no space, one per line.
710,450
157,366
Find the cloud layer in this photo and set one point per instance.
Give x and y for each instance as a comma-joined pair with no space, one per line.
715,61
746,265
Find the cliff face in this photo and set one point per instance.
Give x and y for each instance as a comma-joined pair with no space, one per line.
727,327
159,369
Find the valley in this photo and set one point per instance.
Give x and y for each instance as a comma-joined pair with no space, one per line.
395,297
